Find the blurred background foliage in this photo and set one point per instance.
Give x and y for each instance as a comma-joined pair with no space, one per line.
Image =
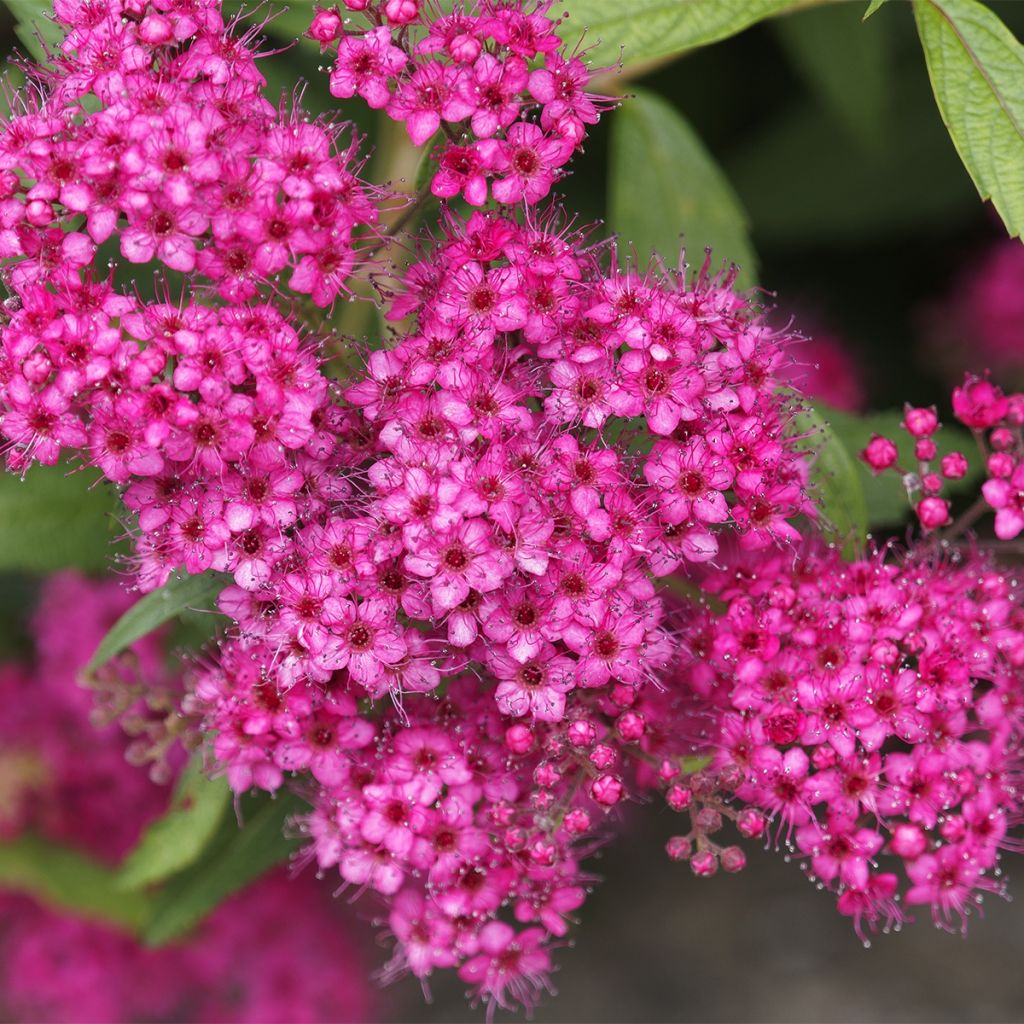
809,150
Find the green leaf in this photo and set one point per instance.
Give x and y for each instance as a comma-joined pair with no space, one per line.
977,71
872,7
65,879
885,493
178,838
55,519
838,192
236,857
845,64
643,30
153,610
835,482
34,25
663,183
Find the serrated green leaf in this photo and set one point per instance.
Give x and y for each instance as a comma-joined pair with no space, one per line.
55,519
66,879
178,838
34,26
872,7
885,493
977,71
644,30
835,482
236,857
663,183
154,609
845,64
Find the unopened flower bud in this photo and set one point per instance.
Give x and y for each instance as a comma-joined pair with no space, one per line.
607,790
925,449
750,823
518,738
603,756
733,859
708,820
582,733
630,726
704,864
880,453
920,422
954,466
577,821
678,848
678,797
933,513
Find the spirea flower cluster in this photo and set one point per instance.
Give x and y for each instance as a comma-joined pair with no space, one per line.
66,781
872,712
493,79
447,578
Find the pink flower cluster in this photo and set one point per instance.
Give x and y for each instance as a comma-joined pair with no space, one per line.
64,780
996,420
152,127
495,544
495,79
873,710
278,951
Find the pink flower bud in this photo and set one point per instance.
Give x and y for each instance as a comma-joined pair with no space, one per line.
515,839
543,852
607,790
1015,412
518,738
880,453
708,820
920,422
603,756
733,859
546,775
885,652
750,823
979,403
326,26
155,30
668,770
678,797
931,483
1001,439
908,841
1000,466
678,848
704,864
954,466
624,695
630,726
925,449
401,12
356,5
933,513
824,757
582,733
577,821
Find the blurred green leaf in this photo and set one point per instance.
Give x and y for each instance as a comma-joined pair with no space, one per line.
872,7
55,519
65,879
663,183
846,64
154,609
836,484
977,71
178,838
803,179
236,857
644,30
886,496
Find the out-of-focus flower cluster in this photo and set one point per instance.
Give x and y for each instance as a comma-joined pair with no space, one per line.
66,782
